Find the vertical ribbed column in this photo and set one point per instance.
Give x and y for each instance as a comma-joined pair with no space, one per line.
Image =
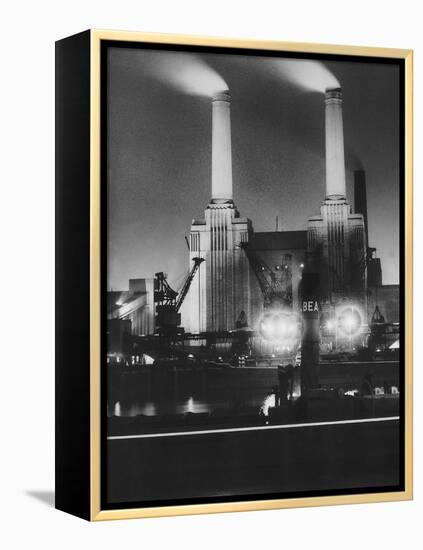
335,162
335,218
218,247
221,148
220,261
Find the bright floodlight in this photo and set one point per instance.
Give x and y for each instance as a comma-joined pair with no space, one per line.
267,328
350,320
281,327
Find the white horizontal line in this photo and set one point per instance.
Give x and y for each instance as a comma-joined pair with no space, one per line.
253,428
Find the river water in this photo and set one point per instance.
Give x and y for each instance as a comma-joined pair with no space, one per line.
191,404
160,394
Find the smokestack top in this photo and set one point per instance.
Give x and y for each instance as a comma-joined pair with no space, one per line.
222,96
333,95
221,148
335,161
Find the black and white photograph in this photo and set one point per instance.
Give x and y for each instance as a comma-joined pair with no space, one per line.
253,275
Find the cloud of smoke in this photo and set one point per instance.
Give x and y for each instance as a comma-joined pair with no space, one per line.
185,72
312,76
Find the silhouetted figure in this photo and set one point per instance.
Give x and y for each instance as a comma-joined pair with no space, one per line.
283,384
276,393
367,385
290,375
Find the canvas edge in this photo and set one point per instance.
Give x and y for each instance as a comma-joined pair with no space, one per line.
97,514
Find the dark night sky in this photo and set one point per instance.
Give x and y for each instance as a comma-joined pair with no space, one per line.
160,153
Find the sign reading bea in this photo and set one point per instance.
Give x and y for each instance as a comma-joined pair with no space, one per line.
310,306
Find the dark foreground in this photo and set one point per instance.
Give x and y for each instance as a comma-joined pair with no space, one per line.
300,460
150,399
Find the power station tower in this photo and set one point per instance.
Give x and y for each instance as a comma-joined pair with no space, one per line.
221,291
337,238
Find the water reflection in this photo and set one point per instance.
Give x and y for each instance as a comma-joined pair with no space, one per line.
196,406
157,393
117,409
150,408
269,401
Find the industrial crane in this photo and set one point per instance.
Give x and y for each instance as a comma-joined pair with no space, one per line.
272,289
169,301
279,326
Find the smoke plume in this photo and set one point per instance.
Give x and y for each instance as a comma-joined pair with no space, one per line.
312,76
185,72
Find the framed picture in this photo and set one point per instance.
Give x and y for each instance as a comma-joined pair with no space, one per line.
234,275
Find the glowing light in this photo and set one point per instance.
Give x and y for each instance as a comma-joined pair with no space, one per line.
147,359
350,320
270,401
330,325
190,356
149,409
280,326
351,393
190,405
301,265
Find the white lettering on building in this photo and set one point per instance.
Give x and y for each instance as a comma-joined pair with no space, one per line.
310,306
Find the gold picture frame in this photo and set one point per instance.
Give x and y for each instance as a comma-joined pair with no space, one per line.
94,512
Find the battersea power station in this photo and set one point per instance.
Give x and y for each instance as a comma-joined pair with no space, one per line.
237,274
240,265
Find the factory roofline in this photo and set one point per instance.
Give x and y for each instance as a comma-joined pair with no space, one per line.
280,240
235,220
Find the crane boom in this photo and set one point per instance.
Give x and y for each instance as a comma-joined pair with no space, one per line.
184,290
164,293
270,286
169,301
260,269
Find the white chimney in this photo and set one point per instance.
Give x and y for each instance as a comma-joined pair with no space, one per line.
221,148
335,162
